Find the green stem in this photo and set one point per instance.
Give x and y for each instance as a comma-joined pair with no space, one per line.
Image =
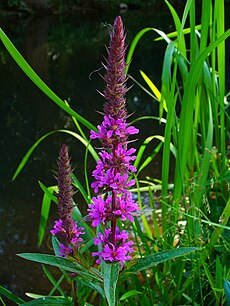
74,292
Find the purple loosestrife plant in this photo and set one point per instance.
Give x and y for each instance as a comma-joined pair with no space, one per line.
113,169
65,228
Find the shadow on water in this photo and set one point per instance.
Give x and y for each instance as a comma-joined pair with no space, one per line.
64,51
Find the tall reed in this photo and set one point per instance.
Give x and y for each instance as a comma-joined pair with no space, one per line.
192,102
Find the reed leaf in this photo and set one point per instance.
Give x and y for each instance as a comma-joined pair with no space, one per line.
39,83
136,40
187,113
34,146
46,201
11,296
146,143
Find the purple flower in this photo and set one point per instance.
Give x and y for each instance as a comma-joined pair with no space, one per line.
125,207
100,210
120,183
113,129
114,182
65,228
65,251
57,227
115,166
111,252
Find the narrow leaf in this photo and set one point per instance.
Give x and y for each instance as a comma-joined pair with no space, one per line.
136,40
51,301
60,262
154,89
156,258
38,81
46,201
129,294
34,146
110,274
10,295
227,290
79,186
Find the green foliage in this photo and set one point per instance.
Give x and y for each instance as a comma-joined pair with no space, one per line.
192,103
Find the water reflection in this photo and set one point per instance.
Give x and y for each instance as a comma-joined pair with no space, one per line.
64,52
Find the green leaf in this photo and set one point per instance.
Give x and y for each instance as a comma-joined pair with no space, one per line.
46,201
156,258
166,76
95,286
49,191
79,186
150,157
161,120
129,294
34,146
136,40
55,245
10,295
48,301
227,290
62,263
56,284
179,28
3,303
146,143
39,83
110,273
175,33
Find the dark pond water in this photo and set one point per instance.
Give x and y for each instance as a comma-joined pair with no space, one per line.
64,51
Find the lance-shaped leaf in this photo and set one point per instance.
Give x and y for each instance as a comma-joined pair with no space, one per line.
62,263
110,273
157,258
52,301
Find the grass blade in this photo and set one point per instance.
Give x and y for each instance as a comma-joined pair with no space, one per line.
46,201
55,283
39,83
34,146
136,40
187,113
10,296
79,186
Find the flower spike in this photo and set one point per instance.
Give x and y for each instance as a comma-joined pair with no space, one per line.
113,169
65,228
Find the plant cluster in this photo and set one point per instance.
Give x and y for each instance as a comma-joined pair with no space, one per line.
190,224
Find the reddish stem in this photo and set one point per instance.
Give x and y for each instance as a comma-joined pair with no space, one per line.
114,200
114,220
